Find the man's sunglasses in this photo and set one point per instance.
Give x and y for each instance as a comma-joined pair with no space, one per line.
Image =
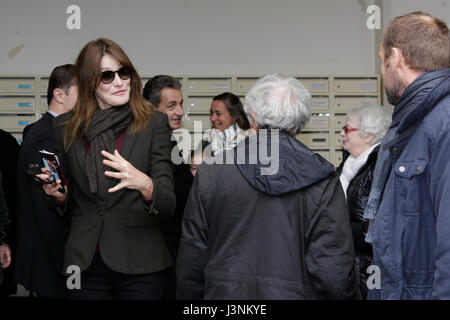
348,129
108,76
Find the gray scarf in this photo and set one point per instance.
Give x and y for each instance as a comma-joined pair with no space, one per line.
104,129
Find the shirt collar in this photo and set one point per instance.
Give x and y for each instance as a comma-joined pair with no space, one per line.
53,113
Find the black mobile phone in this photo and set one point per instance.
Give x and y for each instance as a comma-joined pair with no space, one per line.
34,169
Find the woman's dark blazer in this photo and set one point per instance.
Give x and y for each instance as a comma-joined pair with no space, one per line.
125,228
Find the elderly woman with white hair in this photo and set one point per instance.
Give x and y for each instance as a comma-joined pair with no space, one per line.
364,129
272,223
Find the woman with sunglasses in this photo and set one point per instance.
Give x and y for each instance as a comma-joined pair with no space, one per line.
364,129
114,150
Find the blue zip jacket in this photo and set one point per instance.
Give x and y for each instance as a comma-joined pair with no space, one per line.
409,204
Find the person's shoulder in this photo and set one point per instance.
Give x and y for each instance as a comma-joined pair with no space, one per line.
44,121
442,107
215,172
437,122
158,121
8,142
6,137
59,122
208,178
35,131
317,190
158,116
63,118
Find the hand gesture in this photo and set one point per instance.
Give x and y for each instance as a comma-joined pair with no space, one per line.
129,176
5,256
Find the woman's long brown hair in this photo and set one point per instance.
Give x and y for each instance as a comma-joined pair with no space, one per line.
88,73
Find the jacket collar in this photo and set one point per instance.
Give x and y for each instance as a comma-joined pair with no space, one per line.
370,159
420,97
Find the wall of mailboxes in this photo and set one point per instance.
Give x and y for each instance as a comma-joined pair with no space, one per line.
23,101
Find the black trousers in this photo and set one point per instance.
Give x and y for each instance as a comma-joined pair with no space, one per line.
98,282
172,242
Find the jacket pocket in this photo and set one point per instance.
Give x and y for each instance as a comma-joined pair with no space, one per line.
410,188
140,219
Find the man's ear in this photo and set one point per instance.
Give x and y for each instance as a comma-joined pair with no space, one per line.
58,95
398,60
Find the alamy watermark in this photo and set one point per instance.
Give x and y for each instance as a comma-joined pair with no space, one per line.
74,279
265,151
374,20
74,19
374,280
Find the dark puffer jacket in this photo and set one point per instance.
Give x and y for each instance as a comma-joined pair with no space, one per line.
281,236
357,195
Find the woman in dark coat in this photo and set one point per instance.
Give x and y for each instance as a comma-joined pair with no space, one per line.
115,154
364,128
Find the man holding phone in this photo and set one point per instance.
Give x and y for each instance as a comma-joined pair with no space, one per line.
42,232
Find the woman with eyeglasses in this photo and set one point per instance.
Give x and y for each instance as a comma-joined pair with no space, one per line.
114,150
364,129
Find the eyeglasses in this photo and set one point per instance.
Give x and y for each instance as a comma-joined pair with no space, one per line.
108,76
347,129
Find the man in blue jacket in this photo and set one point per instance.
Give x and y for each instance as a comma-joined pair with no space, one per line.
409,203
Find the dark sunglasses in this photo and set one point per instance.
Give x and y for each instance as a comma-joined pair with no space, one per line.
108,76
347,129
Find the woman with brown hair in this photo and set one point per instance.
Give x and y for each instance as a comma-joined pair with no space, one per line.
228,121
115,155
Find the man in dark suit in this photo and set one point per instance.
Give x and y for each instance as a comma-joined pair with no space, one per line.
164,92
41,231
8,239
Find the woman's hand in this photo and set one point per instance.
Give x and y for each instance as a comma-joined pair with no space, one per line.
129,176
5,256
49,188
